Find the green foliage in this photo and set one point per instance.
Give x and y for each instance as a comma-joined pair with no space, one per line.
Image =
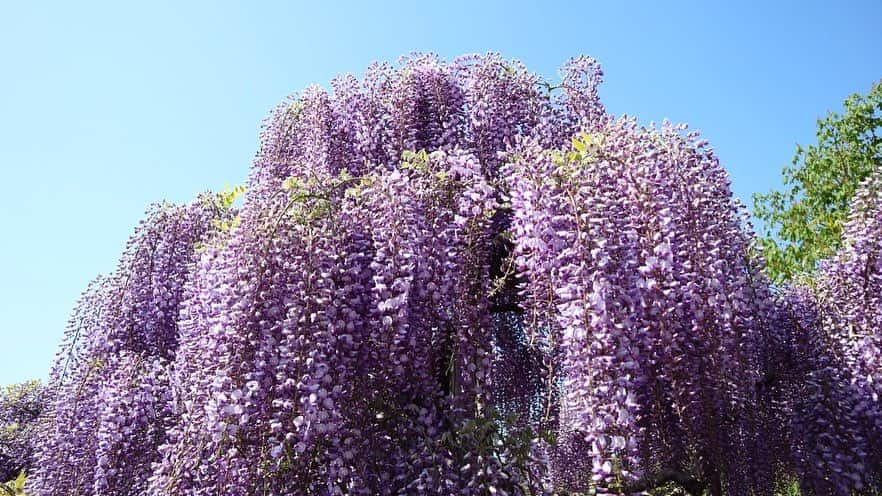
14,487
14,393
227,219
803,223
788,488
311,199
229,195
224,201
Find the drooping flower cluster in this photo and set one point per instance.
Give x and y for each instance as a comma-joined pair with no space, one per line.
821,414
20,408
432,287
851,293
338,337
833,368
481,104
109,387
638,272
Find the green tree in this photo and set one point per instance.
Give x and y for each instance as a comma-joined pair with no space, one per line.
803,223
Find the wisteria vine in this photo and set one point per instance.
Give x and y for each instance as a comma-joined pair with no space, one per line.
460,278
21,406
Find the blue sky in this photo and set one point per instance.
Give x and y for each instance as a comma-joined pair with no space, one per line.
107,107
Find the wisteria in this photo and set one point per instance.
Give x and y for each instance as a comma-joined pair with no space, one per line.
109,387
639,274
461,278
21,406
836,368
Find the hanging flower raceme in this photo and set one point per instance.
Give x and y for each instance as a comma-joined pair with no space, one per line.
837,413
820,412
265,356
430,231
851,290
21,406
636,267
338,337
109,385
482,104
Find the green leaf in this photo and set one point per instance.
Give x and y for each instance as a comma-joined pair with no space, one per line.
802,224
20,480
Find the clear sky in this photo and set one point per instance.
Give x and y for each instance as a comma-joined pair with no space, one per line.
107,107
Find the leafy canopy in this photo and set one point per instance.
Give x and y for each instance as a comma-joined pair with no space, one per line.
803,223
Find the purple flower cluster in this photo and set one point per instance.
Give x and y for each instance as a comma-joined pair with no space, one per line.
480,103
109,387
458,278
336,339
832,364
638,273
21,406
